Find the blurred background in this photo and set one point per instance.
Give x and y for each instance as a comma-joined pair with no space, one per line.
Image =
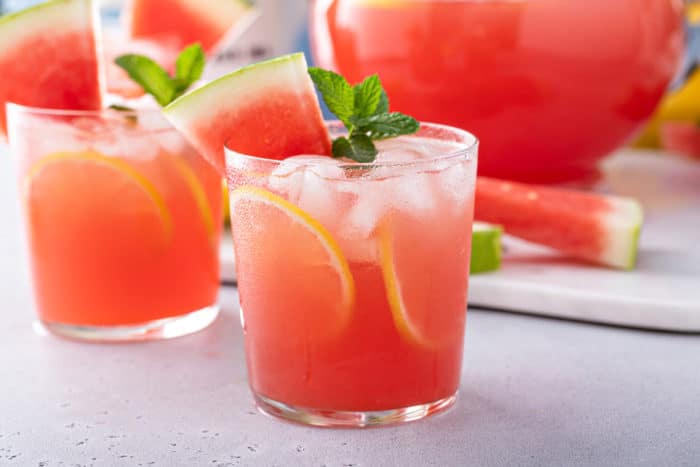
570,81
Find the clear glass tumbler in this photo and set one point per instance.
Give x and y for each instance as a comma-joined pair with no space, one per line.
353,277
123,223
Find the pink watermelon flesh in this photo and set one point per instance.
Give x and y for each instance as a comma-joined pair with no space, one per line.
592,227
49,58
178,23
267,110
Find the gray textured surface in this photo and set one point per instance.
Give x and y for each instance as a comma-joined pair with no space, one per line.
535,392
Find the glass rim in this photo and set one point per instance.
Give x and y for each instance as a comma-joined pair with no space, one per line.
469,151
156,121
81,112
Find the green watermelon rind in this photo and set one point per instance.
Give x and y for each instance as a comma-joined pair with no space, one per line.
624,226
207,96
49,20
238,87
53,10
486,248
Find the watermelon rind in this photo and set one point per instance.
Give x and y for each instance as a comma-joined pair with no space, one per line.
623,224
486,248
237,86
51,76
60,14
237,89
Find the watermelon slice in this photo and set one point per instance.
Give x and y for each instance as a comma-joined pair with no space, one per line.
178,23
268,109
593,227
49,58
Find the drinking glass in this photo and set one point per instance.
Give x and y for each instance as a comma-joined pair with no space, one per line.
123,223
353,277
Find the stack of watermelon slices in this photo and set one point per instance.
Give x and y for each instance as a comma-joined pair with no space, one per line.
270,109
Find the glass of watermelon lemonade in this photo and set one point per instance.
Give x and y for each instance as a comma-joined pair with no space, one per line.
353,277
122,218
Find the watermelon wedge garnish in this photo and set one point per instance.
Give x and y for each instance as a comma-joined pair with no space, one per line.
594,227
268,109
49,58
178,23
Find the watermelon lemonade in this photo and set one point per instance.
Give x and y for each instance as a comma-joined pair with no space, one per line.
123,223
353,277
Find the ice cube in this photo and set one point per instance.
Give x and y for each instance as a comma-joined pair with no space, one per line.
359,249
318,190
357,232
54,137
413,193
414,148
456,183
287,178
370,205
123,139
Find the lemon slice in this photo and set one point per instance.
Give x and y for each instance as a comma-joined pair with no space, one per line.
425,280
199,195
226,211
64,160
292,276
99,210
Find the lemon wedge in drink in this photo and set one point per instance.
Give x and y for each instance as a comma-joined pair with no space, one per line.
74,170
196,189
289,265
105,202
425,279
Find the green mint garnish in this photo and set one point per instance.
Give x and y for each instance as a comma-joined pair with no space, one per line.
123,108
189,67
357,147
364,110
156,81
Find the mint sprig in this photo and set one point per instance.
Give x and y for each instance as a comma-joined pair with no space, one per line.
156,81
364,110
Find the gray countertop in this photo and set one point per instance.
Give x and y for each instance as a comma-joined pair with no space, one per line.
535,391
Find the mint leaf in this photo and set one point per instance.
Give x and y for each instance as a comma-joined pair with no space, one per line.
364,110
150,76
336,92
156,81
383,106
359,148
133,119
368,94
189,66
386,125
120,108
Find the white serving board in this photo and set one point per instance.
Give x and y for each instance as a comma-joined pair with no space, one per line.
663,292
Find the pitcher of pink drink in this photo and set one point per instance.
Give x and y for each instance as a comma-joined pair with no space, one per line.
549,87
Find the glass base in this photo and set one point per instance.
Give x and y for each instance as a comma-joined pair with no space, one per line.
351,419
165,328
